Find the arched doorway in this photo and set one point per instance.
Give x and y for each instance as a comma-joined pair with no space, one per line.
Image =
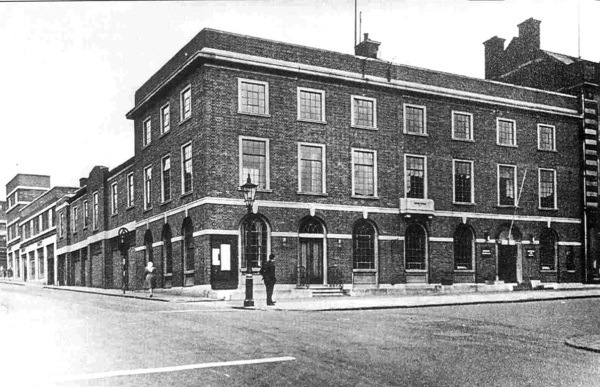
312,237
166,264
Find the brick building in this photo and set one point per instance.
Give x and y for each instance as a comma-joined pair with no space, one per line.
369,173
3,261
523,62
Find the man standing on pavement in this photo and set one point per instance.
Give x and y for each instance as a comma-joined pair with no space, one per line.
268,273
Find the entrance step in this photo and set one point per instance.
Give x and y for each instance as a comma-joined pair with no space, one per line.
327,291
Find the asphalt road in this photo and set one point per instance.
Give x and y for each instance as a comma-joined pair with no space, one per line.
58,338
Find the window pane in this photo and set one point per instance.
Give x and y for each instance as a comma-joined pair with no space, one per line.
364,173
254,161
363,113
507,185
311,169
187,168
463,248
311,105
462,126
253,98
506,132
415,120
415,248
462,182
547,189
166,184
546,138
364,246
415,174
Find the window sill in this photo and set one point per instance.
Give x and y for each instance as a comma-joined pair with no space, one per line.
168,275
464,271
365,197
165,133
188,272
463,140
464,204
255,270
184,120
147,145
262,190
186,194
416,271
548,209
507,145
147,209
416,134
364,127
311,121
548,150
323,194
364,270
506,206
266,115
546,271
129,208
165,202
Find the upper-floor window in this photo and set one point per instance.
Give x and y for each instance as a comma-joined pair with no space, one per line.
185,102
75,220
311,168
114,199
86,213
130,191
364,172
415,119
311,104
415,176
61,225
254,161
148,188
95,211
546,137
147,132
186,168
463,181
506,132
166,178
364,112
462,126
507,185
253,97
12,200
547,188
165,119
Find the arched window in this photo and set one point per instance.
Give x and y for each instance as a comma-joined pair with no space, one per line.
187,230
167,249
415,249
255,240
548,249
463,248
148,243
363,243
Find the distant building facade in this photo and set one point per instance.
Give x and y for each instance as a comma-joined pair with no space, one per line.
3,260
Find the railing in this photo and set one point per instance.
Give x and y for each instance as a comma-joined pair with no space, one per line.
335,277
300,277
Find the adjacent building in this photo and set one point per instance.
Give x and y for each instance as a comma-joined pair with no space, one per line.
3,261
371,174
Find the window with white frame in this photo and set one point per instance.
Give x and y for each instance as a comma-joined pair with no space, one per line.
61,224
186,168
507,185
253,97
147,132
506,132
74,220
185,103
311,168
546,138
311,104
166,178
86,213
462,126
364,172
415,247
463,181
415,176
254,160
547,188
114,200
95,211
147,188
165,119
364,112
415,119
130,192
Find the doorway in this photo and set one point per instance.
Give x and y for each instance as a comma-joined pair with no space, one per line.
311,258
224,266
507,263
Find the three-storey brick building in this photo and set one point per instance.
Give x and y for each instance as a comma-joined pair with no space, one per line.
369,173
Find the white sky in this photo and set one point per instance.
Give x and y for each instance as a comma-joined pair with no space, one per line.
69,70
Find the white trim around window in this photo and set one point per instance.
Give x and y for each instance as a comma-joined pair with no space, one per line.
553,145
95,211
130,190
147,187
185,115
114,198
514,131
373,113
323,168
470,115
165,118
375,182
471,178
299,104
165,179
554,204
183,160
405,116
425,175
147,132
243,177
514,187
246,109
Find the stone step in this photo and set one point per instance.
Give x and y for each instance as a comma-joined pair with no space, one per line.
328,292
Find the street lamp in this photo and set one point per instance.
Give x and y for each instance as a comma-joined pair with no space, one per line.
249,191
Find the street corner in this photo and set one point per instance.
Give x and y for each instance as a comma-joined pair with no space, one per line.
585,342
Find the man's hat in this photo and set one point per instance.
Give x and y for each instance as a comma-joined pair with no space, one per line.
271,256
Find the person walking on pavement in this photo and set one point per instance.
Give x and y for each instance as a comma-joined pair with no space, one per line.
268,273
150,277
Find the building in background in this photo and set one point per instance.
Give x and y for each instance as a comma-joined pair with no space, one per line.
523,62
3,261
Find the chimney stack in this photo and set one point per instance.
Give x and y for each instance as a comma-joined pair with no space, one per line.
494,50
367,48
83,182
529,34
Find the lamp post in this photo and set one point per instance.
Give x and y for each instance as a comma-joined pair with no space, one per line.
124,247
249,191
